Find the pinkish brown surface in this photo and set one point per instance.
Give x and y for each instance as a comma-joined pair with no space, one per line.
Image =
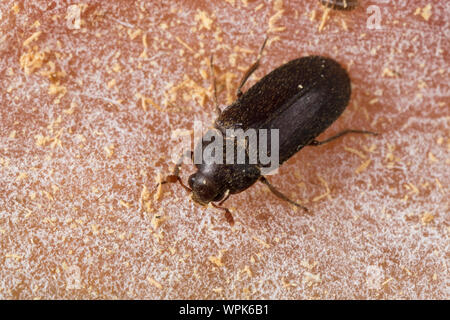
77,148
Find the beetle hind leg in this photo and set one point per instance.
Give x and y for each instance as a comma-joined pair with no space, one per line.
340,134
281,195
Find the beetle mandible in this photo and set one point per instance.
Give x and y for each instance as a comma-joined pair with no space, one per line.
301,98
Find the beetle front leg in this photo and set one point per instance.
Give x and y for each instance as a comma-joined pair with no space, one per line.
279,194
340,134
228,215
250,70
175,176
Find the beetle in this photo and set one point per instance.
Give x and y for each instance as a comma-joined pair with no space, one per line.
340,4
301,99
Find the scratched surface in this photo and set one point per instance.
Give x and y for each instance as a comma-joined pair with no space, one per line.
86,116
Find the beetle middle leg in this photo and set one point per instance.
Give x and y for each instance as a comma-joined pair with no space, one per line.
250,70
279,194
340,134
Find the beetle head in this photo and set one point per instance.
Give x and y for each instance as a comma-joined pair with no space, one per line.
204,190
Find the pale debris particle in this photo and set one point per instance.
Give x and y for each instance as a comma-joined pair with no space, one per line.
278,5
324,19
389,73
22,176
184,44
357,152
425,12
57,89
15,8
427,217
12,134
125,204
217,260
287,284
134,33
153,282
143,54
159,180
312,16
310,278
32,38
13,256
72,108
306,264
412,187
363,166
109,150
55,188
431,157
218,290
263,243
259,7
116,67
205,21
144,41
247,270
327,192
94,228
386,282
273,20
195,91
157,220
374,276
370,149
32,60
111,83
145,100
344,25
438,183
145,199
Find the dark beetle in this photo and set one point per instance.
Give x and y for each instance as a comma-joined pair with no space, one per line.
301,98
340,4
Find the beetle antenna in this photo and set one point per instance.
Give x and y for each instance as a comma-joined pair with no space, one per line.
211,65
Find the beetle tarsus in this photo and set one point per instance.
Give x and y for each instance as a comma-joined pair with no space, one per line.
340,134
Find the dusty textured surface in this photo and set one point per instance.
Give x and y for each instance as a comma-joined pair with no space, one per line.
85,122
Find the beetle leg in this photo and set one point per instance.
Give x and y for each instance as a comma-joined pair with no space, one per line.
211,65
250,70
279,194
227,212
226,197
175,176
340,134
